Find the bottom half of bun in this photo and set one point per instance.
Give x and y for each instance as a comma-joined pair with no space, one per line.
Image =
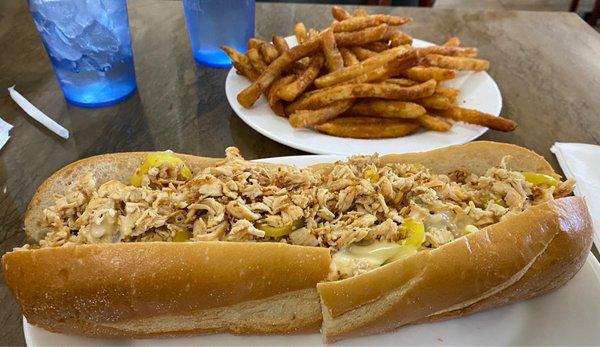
169,289
288,313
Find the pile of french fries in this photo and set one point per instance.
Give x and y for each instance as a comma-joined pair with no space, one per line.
361,78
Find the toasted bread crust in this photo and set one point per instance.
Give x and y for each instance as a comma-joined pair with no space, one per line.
476,157
168,289
516,259
127,284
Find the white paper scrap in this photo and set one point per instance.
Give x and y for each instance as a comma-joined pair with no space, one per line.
4,132
38,115
581,161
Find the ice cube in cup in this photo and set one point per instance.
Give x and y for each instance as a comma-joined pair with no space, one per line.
89,46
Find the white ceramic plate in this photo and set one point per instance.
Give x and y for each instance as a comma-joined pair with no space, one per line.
566,316
478,91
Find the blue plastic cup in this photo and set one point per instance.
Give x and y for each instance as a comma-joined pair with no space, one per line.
212,23
89,45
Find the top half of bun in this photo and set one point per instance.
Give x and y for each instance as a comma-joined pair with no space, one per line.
475,157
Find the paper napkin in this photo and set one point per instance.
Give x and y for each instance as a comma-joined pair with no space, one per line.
38,115
4,130
581,162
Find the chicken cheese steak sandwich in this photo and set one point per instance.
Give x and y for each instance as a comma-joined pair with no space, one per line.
160,244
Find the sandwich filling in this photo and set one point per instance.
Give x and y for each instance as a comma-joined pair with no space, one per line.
366,212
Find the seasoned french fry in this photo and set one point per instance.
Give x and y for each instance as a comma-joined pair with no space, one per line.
362,53
241,63
450,93
375,76
391,69
405,82
398,38
349,57
300,65
306,118
291,91
357,38
322,97
279,83
254,43
300,32
359,23
378,46
423,74
386,109
434,123
280,44
452,42
278,108
367,127
333,57
248,96
256,60
272,97
312,33
456,63
339,13
353,71
480,118
468,52
243,70
435,102
359,12
268,52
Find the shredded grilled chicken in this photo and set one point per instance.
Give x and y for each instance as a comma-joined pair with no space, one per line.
358,201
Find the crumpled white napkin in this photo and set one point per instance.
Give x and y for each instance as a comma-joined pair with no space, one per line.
581,162
4,129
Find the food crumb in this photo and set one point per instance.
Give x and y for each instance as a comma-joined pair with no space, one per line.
440,339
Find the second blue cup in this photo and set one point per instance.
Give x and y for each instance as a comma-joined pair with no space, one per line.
212,23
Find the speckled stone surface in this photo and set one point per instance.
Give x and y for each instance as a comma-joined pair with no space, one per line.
547,66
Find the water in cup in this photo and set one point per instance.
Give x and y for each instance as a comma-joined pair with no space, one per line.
212,23
89,45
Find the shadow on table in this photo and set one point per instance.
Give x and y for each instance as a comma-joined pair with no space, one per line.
11,233
118,128
259,146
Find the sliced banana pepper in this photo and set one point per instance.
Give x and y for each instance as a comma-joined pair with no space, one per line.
155,160
371,174
414,240
271,231
182,236
540,179
416,233
495,198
